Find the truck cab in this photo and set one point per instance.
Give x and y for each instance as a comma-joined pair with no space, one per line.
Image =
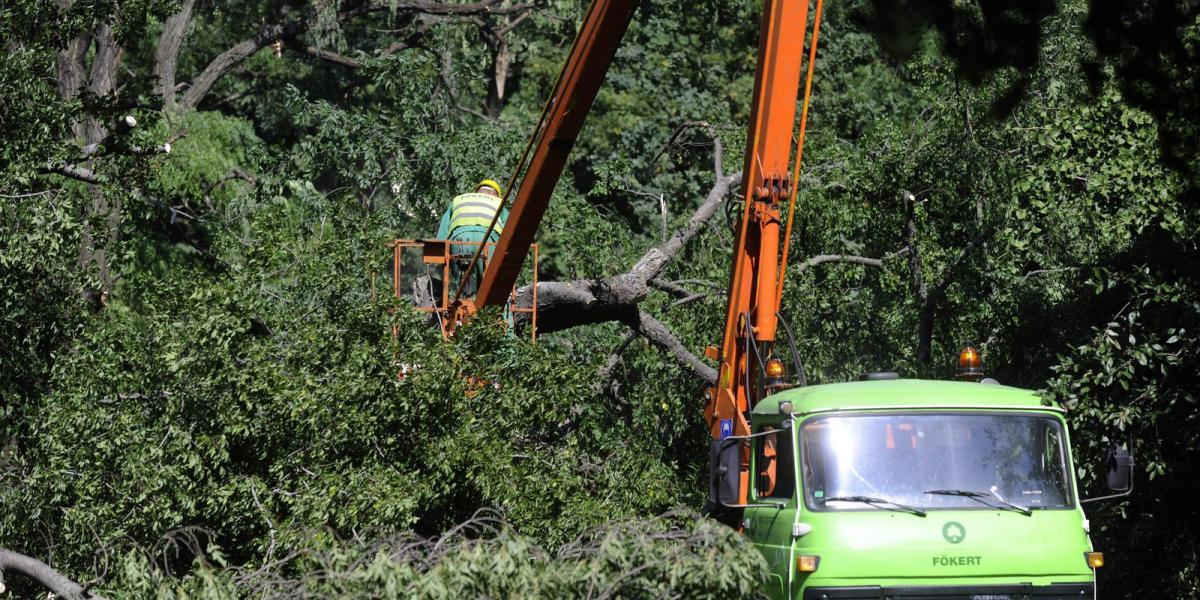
907,489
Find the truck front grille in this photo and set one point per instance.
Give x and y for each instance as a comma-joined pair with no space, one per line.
1057,591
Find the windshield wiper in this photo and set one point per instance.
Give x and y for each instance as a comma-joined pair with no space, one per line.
884,503
979,497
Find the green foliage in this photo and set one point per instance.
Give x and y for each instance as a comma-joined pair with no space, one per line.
214,147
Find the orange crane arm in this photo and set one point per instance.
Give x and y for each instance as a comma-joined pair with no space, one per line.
584,71
756,276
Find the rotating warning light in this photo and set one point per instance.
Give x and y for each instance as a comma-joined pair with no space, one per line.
970,364
775,372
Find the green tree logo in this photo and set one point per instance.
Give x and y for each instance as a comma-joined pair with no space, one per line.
954,532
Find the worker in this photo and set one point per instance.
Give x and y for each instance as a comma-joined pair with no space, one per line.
466,220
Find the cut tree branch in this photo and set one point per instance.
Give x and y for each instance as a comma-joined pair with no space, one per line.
567,304
75,172
562,305
40,572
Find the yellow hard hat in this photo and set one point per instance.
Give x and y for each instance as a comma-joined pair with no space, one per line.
492,184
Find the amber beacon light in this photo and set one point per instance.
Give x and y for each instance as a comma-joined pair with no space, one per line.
775,371
970,365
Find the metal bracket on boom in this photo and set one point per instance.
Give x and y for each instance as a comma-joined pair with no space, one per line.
425,271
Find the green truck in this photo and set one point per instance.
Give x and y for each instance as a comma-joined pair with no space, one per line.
914,489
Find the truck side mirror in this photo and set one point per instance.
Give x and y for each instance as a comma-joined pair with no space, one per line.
724,472
1120,469
1120,472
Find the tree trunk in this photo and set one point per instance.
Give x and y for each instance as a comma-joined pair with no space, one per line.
925,303
501,59
166,54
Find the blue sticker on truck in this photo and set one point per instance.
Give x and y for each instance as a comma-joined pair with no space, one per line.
726,428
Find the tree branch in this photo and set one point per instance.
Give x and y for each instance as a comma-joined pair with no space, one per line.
841,258
653,262
75,172
718,149
412,39
659,335
322,54
562,305
670,287
102,78
917,284
605,375
227,60
46,576
69,62
948,277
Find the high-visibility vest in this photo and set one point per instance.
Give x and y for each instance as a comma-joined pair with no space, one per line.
476,210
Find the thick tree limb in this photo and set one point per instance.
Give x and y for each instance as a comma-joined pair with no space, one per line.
43,574
227,60
567,304
166,53
75,172
102,79
562,305
71,75
653,262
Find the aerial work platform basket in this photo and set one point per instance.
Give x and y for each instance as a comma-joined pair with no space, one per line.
429,273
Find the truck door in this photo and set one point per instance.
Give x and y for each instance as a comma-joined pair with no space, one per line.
773,505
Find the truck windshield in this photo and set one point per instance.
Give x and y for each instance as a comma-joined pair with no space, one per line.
916,459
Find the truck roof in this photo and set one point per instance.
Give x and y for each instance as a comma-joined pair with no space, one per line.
900,393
